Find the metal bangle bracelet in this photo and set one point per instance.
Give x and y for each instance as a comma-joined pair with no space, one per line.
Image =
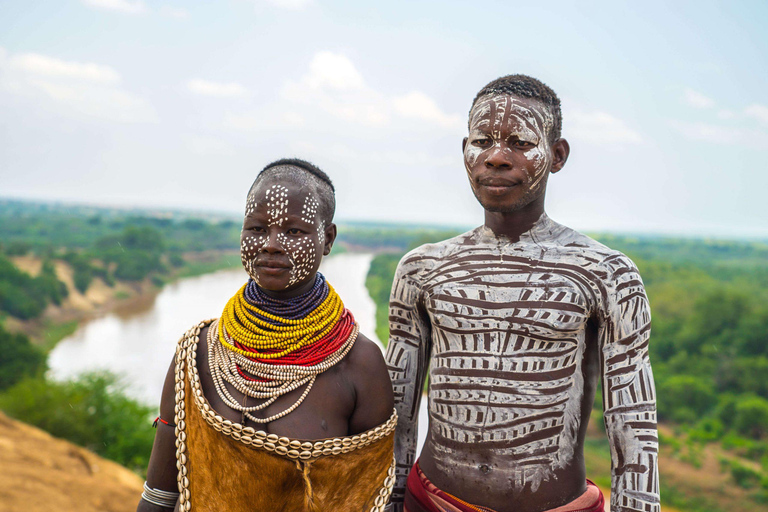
159,497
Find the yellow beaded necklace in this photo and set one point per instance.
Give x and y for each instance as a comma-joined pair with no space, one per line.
284,335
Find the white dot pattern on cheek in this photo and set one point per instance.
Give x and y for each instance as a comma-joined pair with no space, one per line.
249,249
303,256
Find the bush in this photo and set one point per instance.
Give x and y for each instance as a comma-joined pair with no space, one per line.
685,398
745,477
19,359
24,296
707,430
17,248
91,411
752,416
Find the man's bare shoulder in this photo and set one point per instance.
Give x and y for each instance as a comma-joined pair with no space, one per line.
567,243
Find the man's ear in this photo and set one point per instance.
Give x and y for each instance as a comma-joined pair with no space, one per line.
560,151
330,237
463,144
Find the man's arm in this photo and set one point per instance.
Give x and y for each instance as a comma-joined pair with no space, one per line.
162,472
629,398
408,361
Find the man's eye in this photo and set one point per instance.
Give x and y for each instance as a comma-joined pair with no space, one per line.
295,231
482,142
257,229
522,143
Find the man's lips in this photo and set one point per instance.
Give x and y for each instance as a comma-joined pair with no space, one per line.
497,185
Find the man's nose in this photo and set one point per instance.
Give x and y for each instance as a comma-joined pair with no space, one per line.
498,158
273,243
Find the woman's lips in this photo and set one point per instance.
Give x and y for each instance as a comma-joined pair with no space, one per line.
272,268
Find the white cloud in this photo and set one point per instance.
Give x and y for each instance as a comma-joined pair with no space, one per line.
217,89
208,146
719,134
599,128
72,88
759,112
697,100
36,64
335,86
293,5
261,121
417,105
725,113
99,102
334,71
174,12
124,6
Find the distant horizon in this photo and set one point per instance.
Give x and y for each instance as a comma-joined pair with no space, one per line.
235,216
162,102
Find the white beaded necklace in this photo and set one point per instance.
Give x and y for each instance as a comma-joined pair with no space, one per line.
282,379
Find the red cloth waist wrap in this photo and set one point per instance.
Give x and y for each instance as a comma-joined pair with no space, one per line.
421,495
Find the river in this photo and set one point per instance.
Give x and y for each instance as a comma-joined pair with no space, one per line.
137,342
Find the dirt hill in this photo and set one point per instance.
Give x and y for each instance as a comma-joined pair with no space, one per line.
42,473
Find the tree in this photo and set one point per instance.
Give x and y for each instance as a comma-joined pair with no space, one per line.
752,416
685,398
19,358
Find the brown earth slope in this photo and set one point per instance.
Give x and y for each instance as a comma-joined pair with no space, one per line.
41,473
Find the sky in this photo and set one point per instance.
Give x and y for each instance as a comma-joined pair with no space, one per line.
179,104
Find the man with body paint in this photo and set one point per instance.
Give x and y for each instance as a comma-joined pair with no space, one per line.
279,404
514,323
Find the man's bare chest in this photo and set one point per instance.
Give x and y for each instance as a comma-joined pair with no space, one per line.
507,308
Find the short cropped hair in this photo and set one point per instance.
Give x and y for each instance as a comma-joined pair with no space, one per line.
524,86
304,173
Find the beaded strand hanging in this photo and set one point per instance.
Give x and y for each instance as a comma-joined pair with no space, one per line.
266,348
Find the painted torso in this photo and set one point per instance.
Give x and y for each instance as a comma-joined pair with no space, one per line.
514,333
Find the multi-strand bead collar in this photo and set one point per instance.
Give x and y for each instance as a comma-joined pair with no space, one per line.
266,348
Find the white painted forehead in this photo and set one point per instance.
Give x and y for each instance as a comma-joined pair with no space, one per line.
534,111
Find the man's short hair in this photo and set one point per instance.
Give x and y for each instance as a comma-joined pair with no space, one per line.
524,86
304,173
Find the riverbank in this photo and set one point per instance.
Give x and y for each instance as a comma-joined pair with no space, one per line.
59,321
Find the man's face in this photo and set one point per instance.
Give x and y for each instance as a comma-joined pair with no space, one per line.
283,237
508,153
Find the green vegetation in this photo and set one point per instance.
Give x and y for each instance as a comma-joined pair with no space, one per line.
379,284
55,332
92,411
43,228
391,237
216,262
19,359
100,243
24,296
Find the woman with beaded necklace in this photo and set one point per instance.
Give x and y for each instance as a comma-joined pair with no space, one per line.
280,403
